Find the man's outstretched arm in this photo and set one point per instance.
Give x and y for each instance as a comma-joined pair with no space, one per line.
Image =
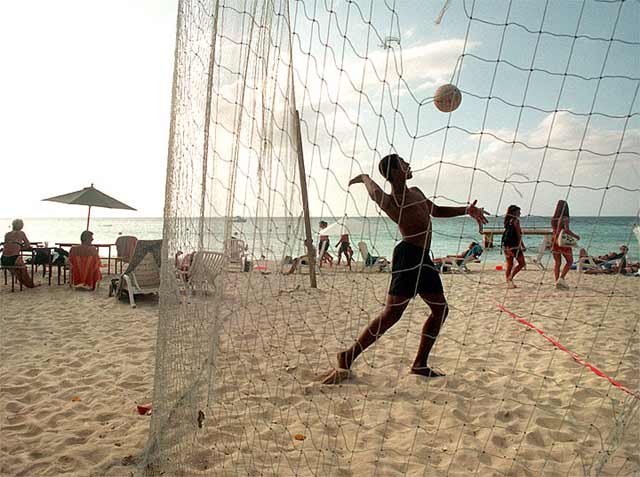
478,213
377,194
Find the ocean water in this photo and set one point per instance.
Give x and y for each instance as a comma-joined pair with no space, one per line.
278,236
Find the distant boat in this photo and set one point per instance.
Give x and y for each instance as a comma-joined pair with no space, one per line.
239,219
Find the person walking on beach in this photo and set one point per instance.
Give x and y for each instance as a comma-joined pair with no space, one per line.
413,272
344,248
15,241
323,247
512,244
560,226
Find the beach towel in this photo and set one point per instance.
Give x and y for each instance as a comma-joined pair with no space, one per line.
85,271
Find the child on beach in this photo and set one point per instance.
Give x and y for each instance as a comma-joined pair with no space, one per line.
413,272
512,244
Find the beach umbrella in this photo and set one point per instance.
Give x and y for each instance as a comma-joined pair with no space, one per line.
339,227
92,197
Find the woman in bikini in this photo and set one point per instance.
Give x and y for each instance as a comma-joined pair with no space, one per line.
560,224
15,241
512,244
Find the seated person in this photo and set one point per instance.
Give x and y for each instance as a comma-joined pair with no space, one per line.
85,249
610,267
609,256
14,242
85,262
604,262
183,263
474,250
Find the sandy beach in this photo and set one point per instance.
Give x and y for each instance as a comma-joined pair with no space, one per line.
74,365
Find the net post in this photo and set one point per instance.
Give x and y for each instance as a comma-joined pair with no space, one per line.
311,256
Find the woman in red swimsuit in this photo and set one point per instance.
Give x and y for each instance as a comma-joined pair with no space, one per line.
559,224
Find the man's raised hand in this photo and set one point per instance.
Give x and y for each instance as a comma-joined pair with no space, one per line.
359,179
478,213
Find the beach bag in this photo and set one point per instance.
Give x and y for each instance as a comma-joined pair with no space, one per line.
566,240
41,256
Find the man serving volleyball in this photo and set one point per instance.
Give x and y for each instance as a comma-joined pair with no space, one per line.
413,272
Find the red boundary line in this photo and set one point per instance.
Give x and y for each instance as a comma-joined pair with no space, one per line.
573,355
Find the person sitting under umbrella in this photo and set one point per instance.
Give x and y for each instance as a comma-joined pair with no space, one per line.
85,262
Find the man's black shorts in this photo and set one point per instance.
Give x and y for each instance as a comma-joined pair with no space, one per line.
413,272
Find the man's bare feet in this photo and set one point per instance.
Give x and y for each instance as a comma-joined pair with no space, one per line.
339,374
510,284
427,372
334,376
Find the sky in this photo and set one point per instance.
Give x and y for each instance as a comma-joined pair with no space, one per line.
88,100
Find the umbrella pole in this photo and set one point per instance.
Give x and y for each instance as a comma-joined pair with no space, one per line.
88,217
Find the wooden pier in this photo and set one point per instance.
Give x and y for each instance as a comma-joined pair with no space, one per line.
487,234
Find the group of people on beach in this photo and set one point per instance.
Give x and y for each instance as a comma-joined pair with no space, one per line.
16,241
343,245
563,239
514,247
413,271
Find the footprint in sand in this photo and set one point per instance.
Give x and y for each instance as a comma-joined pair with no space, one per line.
535,438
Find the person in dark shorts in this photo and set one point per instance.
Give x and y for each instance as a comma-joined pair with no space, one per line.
413,273
344,248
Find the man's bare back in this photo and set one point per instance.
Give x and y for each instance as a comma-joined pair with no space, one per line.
413,272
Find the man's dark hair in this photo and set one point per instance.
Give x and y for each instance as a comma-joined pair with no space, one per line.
86,235
387,163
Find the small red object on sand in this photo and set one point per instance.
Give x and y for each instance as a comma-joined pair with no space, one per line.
498,267
145,409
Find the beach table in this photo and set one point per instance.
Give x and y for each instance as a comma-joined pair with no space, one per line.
99,245
33,251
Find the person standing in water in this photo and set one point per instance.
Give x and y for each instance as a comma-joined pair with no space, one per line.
413,272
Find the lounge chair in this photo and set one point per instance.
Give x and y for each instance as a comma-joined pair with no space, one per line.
457,264
142,275
125,246
236,251
370,262
203,272
544,246
85,271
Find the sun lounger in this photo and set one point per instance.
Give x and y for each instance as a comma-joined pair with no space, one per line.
544,246
236,252
370,262
142,275
203,272
457,264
